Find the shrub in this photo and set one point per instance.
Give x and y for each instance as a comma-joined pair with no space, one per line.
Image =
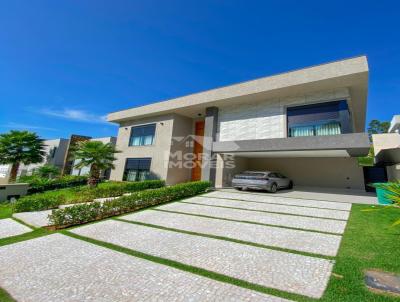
38,202
112,189
393,194
52,199
80,214
39,184
392,189
48,171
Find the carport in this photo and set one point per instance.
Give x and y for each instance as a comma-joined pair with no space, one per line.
322,162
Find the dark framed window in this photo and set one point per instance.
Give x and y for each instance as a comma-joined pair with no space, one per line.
137,169
329,118
142,135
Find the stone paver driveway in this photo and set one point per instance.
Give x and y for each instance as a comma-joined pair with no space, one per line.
180,251
10,227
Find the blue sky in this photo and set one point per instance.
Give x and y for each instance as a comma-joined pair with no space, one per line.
65,64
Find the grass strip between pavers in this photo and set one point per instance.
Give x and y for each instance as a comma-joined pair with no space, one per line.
39,232
260,211
24,223
244,221
226,239
191,269
278,203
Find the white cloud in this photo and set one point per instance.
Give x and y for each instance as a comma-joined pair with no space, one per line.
26,127
75,115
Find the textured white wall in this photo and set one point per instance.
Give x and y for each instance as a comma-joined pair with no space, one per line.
266,119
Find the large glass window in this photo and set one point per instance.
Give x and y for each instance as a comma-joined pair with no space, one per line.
137,169
142,135
330,118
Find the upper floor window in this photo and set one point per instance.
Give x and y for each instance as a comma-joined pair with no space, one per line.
329,118
142,135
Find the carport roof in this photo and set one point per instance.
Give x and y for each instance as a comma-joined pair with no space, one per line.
388,156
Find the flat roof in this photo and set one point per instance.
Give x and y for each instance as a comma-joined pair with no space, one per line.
395,124
350,73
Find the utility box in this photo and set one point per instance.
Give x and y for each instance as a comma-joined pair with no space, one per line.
11,191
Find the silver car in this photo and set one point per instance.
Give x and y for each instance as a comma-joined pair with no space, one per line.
261,180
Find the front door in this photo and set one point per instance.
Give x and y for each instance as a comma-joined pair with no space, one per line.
198,150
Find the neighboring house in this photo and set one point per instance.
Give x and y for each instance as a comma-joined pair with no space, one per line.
387,149
55,150
307,124
58,152
85,170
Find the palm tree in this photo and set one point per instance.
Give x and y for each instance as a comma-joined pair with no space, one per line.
97,155
48,171
392,193
18,147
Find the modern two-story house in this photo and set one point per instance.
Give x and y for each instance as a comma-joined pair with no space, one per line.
306,124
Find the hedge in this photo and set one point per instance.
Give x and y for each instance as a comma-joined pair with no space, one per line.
113,189
52,199
38,202
84,213
39,184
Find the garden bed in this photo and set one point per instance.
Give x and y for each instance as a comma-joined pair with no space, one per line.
39,184
84,213
82,194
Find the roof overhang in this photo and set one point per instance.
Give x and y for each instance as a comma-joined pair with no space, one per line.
350,73
388,157
343,145
394,124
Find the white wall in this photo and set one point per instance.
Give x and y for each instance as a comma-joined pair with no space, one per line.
266,119
343,173
385,141
393,172
158,152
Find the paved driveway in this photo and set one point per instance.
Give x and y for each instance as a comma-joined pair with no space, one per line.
279,243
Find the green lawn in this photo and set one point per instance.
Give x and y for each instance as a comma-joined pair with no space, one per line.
5,210
369,242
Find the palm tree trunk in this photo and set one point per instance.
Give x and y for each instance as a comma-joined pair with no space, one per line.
13,173
94,176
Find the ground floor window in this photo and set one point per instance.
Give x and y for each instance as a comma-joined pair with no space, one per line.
137,169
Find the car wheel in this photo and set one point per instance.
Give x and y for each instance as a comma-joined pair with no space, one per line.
290,185
239,188
274,188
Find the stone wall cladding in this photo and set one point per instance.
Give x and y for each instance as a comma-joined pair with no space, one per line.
266,119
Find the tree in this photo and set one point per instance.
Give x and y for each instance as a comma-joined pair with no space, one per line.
48,171
18,147
96,155
367,160
377,127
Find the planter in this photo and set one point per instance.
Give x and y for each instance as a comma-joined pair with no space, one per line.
381,194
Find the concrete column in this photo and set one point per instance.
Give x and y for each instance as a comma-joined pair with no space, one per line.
208,171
